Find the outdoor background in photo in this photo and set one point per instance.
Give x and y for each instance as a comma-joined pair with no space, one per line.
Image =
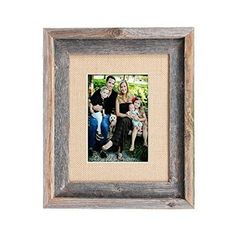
138,85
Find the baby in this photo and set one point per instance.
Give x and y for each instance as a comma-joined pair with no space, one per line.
98,115
138,116
134,113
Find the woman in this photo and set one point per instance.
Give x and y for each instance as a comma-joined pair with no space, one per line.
124,124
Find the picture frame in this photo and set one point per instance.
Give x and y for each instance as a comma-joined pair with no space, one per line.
175,193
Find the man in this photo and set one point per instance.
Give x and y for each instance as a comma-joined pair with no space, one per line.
109,106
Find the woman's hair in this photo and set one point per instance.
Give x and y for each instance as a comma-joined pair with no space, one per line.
122,96
124,81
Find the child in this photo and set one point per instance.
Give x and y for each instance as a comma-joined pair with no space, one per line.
138,116
134,114
98,115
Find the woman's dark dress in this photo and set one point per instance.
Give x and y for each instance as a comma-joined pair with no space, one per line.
123,126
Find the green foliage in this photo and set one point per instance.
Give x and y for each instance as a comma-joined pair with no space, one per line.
98,83
140,152
140,90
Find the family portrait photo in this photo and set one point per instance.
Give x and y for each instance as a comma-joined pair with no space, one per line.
117,118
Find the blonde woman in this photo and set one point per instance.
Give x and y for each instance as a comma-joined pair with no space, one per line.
124,123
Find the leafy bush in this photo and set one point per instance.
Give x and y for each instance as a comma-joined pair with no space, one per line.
140,90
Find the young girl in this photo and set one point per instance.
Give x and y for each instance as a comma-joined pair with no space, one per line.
139,120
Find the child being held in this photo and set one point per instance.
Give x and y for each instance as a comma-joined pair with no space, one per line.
134,114
98,115
138,117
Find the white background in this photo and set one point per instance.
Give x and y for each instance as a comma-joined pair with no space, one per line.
21,104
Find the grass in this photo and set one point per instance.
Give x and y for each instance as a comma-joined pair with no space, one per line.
140,154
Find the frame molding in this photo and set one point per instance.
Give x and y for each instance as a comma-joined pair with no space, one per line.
178,192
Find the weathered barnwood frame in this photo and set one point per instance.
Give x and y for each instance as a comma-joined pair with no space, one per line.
178,192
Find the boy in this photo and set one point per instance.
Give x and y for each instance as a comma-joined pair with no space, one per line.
109,106
98,115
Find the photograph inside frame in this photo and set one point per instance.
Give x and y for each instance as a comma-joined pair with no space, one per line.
117,117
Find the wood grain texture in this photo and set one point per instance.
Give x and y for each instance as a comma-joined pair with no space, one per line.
176,117
124,46
189,118
175,49
61,115
58,44
120,33
121,190
161,203
48,116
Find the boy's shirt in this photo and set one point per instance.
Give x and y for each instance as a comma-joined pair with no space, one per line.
108,103
96,99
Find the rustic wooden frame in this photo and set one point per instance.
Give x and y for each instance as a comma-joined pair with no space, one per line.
178,192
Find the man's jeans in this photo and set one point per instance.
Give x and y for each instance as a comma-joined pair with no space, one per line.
93,129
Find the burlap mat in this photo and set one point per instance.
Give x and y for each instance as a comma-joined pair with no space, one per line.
156,169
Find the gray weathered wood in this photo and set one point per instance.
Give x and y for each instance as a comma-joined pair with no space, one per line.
158,203
48,115
124,46
189,118
120,33
172,47
121,190
58,44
